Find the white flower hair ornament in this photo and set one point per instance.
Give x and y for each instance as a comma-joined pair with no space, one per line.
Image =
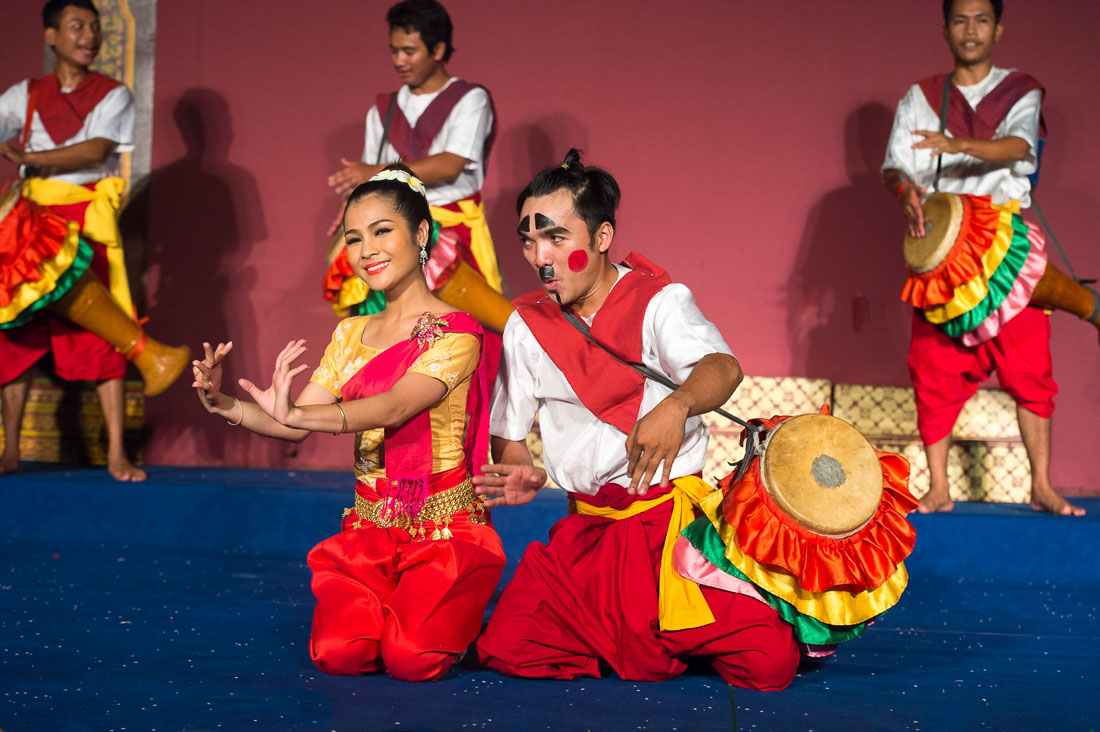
400,175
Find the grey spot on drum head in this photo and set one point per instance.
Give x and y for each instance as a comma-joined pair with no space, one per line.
828,472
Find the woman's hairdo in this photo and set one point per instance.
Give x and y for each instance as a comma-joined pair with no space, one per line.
402,194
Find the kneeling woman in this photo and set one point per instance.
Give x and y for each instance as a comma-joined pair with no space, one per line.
404,585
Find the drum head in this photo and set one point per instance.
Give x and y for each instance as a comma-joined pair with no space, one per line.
823,473
943,215
9,194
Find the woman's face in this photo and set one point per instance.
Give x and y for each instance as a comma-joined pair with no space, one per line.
381,248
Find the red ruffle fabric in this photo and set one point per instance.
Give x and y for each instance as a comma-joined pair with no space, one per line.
864,560
963,263
29,235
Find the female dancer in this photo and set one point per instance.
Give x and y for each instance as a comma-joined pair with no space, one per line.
404,585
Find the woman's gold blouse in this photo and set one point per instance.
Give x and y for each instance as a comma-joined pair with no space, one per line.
451,359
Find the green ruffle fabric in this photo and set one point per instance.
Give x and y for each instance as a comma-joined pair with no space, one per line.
1000,284
375,303
64,283
704,537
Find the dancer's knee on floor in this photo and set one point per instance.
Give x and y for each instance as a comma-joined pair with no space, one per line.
406,663
345,658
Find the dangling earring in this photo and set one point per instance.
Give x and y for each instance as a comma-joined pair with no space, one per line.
423,257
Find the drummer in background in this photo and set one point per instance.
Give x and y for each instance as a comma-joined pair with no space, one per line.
81,122
945,373
601,593
440,126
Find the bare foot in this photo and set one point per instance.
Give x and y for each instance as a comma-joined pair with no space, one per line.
936,501
9,464
1048,500
122,469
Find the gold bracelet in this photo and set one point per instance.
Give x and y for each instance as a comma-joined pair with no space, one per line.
343,420
234,424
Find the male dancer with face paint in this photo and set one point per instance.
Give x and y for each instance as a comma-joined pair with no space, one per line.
990,148
442,127
602,592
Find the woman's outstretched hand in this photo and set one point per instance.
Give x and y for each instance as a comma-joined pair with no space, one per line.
208,377
275,399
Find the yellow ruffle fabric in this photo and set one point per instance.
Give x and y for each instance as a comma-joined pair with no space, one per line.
100,222
481,241
680,602
834,607
969,294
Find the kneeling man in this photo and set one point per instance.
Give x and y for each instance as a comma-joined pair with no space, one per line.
602,592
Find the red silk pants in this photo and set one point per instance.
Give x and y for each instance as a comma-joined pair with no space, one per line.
946,373
587,600
386,602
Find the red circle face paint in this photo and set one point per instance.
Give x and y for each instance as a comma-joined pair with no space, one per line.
578,260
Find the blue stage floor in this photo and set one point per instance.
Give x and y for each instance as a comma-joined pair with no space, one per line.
183,604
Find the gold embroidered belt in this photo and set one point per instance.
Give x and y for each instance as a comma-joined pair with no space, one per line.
439,510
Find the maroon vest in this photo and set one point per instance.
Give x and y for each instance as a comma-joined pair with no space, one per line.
609,389
981,123
413,142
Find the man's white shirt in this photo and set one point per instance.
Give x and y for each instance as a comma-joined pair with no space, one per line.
111,119
581,452
463,134
964,173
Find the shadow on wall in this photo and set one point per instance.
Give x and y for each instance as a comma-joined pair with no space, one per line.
519,153
205,216
844,318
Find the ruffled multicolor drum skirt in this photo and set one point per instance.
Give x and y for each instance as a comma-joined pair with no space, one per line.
815,527
41,257
976,267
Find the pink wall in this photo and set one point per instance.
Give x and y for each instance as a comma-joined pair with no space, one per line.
747,141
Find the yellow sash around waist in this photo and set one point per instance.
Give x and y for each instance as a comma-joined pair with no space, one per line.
481,241
100,222
680,602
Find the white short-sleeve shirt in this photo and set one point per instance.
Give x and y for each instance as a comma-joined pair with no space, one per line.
581,452
111,119
463,134
964,173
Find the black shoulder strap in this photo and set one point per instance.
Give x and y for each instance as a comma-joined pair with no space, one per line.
943,126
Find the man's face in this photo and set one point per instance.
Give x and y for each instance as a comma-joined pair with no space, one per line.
412,60
77,37
552,234
971,31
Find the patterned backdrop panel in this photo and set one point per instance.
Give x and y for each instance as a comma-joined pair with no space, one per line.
63,423
976,471
890,411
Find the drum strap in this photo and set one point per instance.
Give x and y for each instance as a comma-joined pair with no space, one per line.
756,432
943,126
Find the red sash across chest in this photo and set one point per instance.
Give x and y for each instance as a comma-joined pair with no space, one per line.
609,389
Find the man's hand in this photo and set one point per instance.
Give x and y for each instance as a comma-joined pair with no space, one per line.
910,205
13,154
938,143
352,174
655,438
514,485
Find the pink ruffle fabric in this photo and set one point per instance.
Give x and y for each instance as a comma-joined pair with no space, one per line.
1018,297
